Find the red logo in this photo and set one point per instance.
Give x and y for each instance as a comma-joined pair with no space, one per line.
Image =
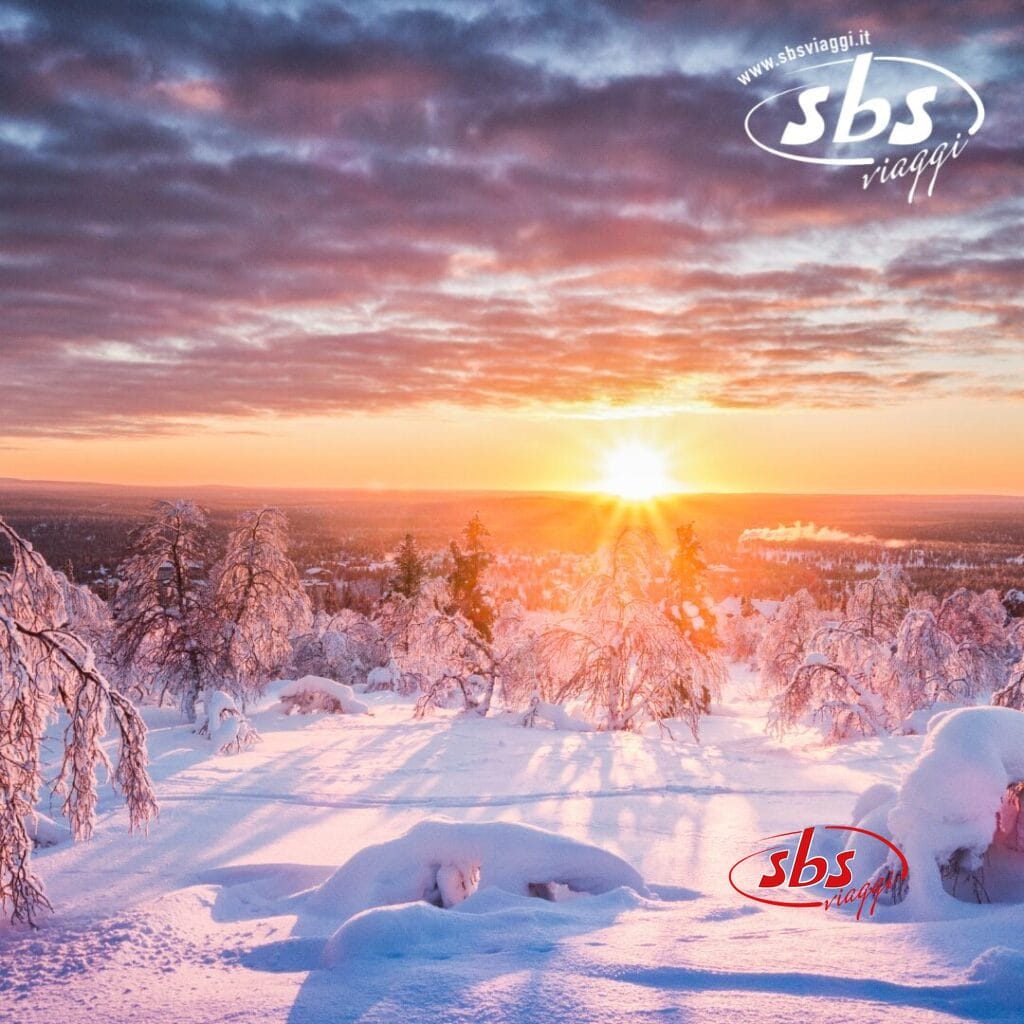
791,869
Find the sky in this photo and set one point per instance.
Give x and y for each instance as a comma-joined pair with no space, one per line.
479,245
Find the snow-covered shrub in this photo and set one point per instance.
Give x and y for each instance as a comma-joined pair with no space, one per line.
823,693
345,647
384,677
554,714
45,832
741,631
1012,694
314,693
224,724
443,862
46,667
947,812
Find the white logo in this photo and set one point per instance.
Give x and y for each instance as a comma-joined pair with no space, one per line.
854,125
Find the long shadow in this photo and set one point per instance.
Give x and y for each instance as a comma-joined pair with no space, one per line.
979,1000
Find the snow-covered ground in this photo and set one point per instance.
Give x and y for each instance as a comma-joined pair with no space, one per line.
201,921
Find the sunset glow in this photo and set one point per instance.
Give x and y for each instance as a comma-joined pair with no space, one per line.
240,261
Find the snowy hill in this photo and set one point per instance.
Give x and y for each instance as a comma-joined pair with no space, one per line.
209,918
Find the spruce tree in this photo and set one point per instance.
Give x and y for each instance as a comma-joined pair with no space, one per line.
410,569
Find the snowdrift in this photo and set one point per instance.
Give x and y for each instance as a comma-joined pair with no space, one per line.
951,796
443,863
491,921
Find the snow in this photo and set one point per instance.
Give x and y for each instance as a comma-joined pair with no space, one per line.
949,799
207,919
445,861
340,695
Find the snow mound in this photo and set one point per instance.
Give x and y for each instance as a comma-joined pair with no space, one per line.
488,922
949,800
443,862
315,693
998,967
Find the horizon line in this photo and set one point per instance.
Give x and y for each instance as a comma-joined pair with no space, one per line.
369,489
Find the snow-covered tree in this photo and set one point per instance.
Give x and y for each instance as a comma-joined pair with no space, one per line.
976,623
164,628
622,653
257,600
847,683
409,570
927,664
46,667
689,605
741,633
876,607
469,597
784,643
446,652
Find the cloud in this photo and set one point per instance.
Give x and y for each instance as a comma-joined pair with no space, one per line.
225,210
809,533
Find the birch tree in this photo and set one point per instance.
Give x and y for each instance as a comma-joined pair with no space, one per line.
257,601
164,629
46,667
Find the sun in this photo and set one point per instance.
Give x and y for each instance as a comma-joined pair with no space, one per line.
635,471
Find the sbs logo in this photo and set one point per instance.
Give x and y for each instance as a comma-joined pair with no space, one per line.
799,876
827,116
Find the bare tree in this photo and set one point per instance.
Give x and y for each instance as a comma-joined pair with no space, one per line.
622,653
45,667
164,629
258,600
